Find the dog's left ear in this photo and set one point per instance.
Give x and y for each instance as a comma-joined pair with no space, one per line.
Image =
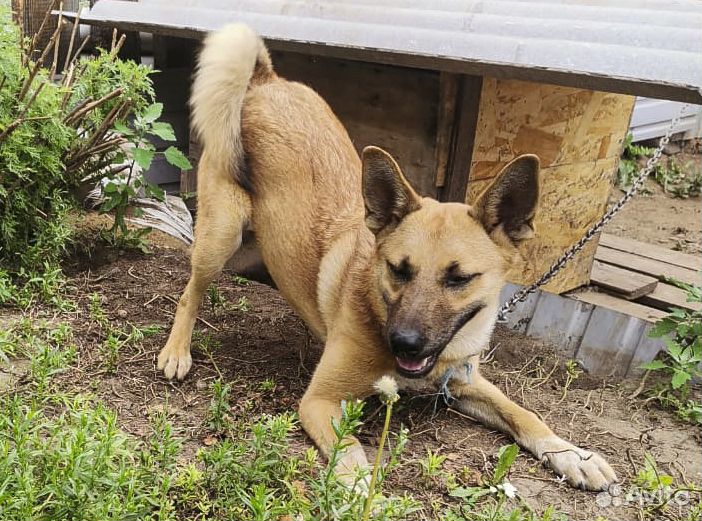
387,195
510,201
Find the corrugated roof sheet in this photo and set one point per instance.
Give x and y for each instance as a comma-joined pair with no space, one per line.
646,47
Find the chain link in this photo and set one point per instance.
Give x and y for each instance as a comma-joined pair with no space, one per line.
522,294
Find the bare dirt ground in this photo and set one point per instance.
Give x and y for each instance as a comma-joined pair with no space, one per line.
659,218
268,341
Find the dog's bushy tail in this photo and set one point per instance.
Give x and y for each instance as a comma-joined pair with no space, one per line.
230,59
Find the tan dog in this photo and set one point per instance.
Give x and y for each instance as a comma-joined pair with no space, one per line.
395,284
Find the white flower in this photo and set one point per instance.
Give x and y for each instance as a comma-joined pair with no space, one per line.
386,387
509,489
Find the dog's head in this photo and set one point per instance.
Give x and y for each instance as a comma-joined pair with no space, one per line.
440,267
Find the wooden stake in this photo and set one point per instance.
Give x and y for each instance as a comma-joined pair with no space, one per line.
118,46
54,63
76,23
80,50
37,66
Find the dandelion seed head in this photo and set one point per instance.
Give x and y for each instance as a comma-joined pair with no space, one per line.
386,386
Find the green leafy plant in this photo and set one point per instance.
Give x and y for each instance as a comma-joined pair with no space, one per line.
494,484
96,311
573,372
57,134
681,181
215,298
243,305
65,457
650,478
115,338
118,191
655,490
240,281
490,500
219,419
431,464
268,385
628,163
681,331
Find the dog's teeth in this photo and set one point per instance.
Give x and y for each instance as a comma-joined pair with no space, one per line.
412,365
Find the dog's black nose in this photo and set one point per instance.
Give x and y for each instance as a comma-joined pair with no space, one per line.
407,342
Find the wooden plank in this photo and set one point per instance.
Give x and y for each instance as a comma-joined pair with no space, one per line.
519,318
613,303
666,296
561,125
461,148
608,335
647,266
445,124
394,108
651,251
188,178
646,350
627,284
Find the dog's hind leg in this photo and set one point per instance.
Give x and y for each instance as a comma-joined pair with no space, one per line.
224,209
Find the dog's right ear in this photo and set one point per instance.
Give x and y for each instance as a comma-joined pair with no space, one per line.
387,195
510,202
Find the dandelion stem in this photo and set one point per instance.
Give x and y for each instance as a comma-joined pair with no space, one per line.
376,465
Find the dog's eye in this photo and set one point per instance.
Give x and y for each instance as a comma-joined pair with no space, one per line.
458,280
400,272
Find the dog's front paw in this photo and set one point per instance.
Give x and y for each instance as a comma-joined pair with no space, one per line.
353,470
174,362
581,468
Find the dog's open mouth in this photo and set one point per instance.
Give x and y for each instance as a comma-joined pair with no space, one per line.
415,367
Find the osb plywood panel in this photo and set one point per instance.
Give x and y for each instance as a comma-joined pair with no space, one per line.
572,198
578,136
562,124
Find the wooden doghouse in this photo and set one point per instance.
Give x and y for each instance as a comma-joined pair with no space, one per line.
455,89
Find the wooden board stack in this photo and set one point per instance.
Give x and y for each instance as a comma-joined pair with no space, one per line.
606,326
633,277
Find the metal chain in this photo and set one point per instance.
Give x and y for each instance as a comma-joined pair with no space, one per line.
522,294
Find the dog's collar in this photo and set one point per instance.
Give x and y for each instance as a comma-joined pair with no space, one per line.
462,373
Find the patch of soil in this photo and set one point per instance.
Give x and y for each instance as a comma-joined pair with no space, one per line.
270,342
657,217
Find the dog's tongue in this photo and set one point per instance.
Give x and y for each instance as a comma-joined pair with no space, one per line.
412,365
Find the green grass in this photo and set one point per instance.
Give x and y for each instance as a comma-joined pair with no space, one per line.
63,456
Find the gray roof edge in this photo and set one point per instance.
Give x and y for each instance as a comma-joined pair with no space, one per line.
678,91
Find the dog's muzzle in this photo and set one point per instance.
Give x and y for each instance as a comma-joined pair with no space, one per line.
412,358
